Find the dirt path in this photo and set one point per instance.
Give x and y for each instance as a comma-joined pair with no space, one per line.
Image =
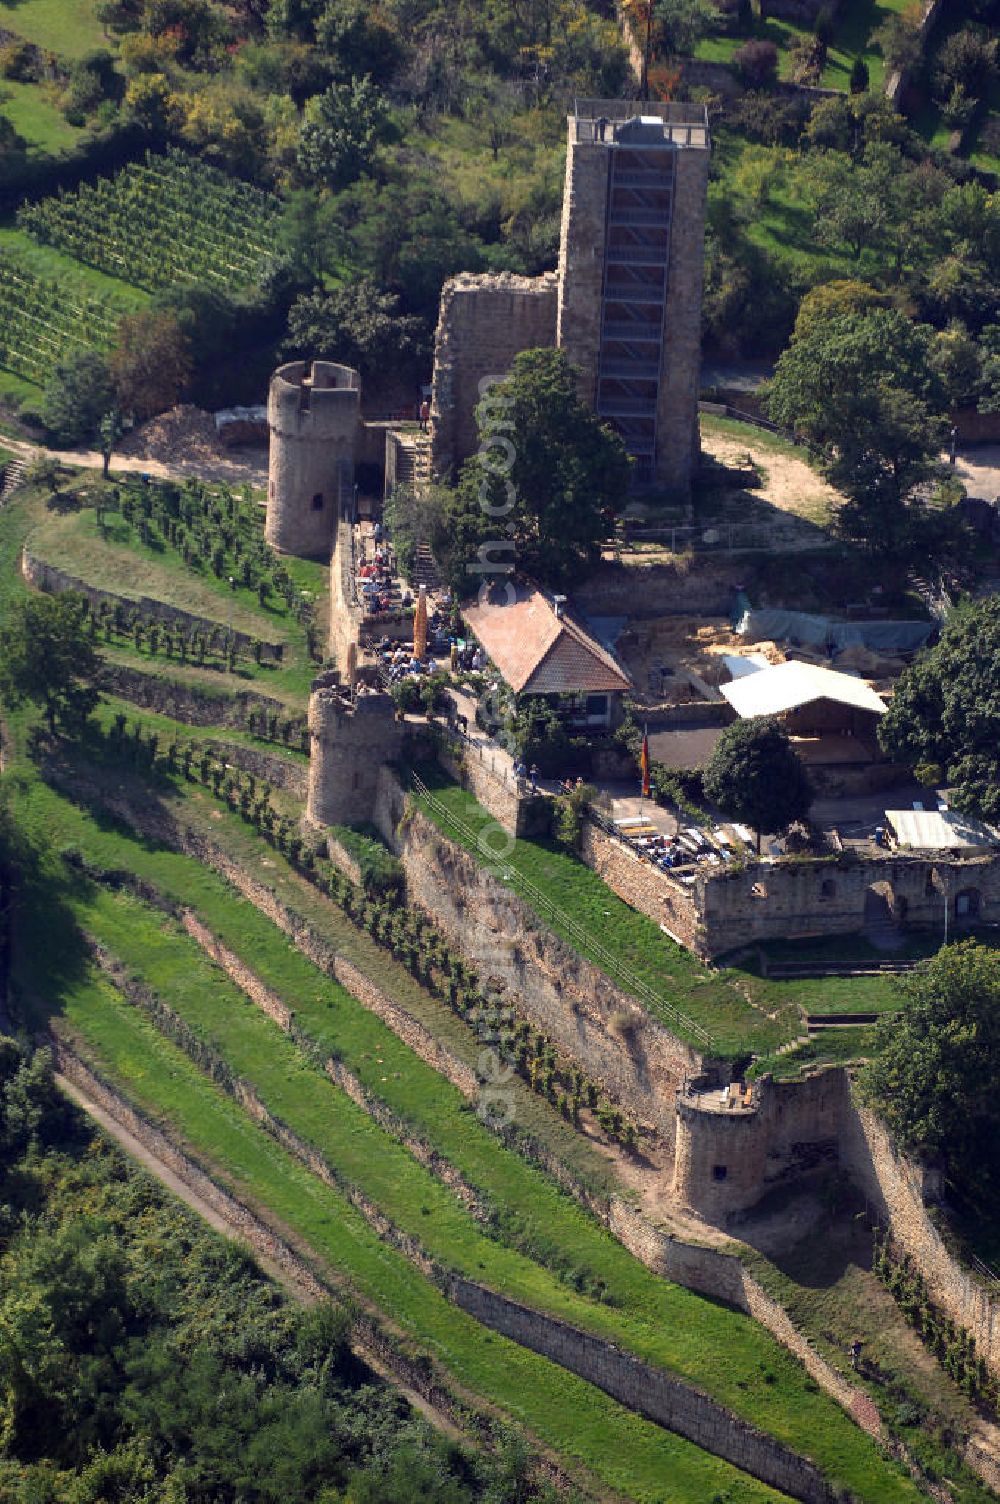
286,1277
228,471
792,485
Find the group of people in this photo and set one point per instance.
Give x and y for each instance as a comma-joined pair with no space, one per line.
525,775
398,661
465,658
375,580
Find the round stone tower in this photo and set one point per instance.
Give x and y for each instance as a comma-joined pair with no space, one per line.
350,741
313,413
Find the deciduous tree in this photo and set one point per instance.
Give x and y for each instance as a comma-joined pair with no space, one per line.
862,387
341,132
945,709
359,325
76,396
150,363
755,775
46,658
933,1078
548,478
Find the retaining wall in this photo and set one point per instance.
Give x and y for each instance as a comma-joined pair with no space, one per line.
496,793
636,1060
186,702
900,1190
662,898
48,578
370,1339
649,1392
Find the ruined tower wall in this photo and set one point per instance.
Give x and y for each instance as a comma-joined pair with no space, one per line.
581,259
313,416
677,441
349,742
483,323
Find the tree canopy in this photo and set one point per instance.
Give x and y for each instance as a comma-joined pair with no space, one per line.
359,325
77,396
547,480
933,1079
46,658
945,709
341,131
863,386
754,775
150,363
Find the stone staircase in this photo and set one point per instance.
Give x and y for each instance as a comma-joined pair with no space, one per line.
13,476
413,461
425,571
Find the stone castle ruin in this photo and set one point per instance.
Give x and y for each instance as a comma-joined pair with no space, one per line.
625,307
625,304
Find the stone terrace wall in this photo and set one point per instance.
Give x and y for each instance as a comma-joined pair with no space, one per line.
614,1039
186,702
484,321
647,591
47,577
652,892
649,1392
898,1189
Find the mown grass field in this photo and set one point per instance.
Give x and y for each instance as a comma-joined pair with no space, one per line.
67,27
35,115
856,22
576,1421
726,1353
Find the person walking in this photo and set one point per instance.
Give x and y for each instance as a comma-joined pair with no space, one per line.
425,412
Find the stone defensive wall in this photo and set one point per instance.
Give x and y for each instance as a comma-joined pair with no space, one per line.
793,899
794,1132
484,321
487,776
346,616
54,581
633,1056
899,1191
649,591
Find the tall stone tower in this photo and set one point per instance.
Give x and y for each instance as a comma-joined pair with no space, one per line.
313,413
350,740
630,274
